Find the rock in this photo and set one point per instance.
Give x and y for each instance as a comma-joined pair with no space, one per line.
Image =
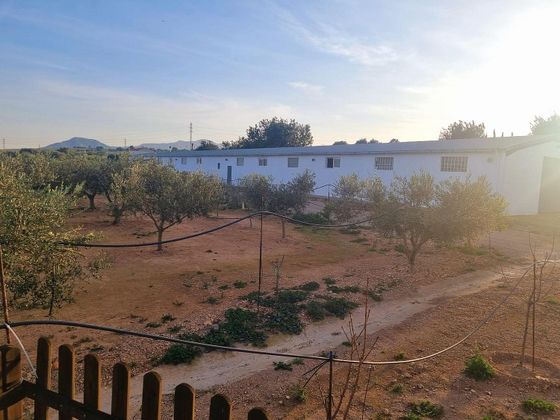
488,393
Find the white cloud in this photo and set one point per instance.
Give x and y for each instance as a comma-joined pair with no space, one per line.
326,38
306,87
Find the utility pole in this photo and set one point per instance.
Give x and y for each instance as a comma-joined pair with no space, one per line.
3,143
190,135
125,142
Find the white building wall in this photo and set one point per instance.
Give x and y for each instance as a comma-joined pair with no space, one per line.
522,177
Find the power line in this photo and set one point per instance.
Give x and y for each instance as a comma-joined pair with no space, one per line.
217,228
483,322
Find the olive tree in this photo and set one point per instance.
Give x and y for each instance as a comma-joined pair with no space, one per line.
40,267
286,198
168,197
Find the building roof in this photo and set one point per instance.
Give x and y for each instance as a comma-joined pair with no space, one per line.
506,144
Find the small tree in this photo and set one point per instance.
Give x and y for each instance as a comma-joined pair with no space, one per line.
463,130
41,269
543,126
168,197
347,198
207,145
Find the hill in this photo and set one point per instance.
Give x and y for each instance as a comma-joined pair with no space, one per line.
179,144
78,143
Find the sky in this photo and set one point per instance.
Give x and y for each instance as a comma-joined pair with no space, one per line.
143,70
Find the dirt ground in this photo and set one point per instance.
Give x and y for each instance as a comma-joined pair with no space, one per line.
141,285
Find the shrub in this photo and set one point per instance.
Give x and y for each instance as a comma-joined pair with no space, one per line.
400,248
315,310
285,319
174,329
242,326
310,286
339,307
397,388
329,281
479,368
399,356
298,393
292,296
375,295
314,218
180,353
344,289
153,324
533,405
297,361
167,318
240,284
223,287
282,365
426,408
212,300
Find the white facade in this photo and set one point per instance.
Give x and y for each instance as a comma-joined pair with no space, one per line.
513,166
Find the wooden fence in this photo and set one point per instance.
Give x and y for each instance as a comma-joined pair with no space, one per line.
63,401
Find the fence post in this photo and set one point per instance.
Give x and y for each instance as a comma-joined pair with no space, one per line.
151,396
66,377
92,381
120,391
10,377
220,408
43,375
330,397
184,402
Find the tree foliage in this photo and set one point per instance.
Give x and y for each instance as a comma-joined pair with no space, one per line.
207,145
463,130
276,132
417,210
168,197
543,126
40,269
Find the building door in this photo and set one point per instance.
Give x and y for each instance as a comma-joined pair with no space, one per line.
229,175
549,201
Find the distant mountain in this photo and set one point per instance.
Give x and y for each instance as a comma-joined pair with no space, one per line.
179,144
78,142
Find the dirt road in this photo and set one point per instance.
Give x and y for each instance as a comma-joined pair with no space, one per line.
221,368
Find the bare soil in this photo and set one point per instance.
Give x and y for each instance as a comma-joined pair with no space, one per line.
449,291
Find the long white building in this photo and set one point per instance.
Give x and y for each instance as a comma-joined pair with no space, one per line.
525,170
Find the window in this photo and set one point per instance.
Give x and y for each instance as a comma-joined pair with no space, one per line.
293,162
170,162
454,163
263,162
219,164
240,161
183,161
333,162
198,160
384,163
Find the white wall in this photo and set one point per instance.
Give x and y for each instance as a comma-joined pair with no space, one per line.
522,177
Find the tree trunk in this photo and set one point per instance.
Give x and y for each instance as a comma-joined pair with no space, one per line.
159,239
91,198
117,214
283,228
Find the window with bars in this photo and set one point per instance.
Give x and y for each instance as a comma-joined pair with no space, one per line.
263,162
293,162
454,163
384,163
198,160
183,161
333,162
240,161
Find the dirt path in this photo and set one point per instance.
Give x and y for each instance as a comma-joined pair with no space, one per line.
222,368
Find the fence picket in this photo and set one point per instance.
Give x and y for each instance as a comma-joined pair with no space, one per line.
151,396
257,414
92,381
43,375
10,377
220,408
184,402
66,376
120,391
